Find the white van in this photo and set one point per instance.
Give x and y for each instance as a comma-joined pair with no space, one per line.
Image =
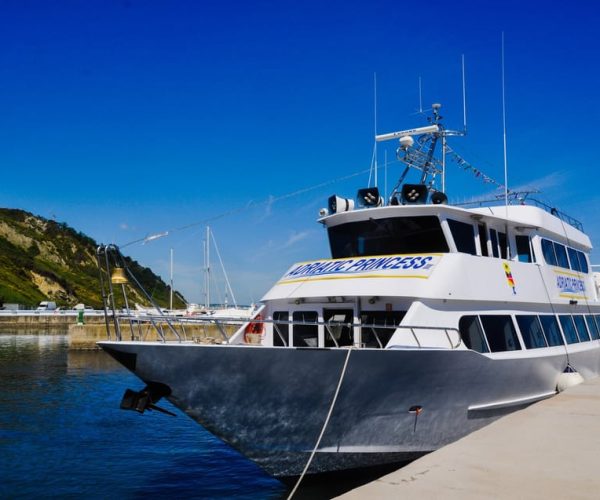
47,306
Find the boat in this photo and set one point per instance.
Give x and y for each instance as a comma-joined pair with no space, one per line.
428,321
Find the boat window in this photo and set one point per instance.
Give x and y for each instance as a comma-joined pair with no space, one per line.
398,235
592,326
483,240
551,330
573,259
370,334
283,328
463,236
531,331
500,333
561,255
523,248
494,240
336,327
597,318
548,251
584,336
583,265
472,334
305,335
568,328
503,245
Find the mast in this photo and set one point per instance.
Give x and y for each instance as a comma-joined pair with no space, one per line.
171,294
207,268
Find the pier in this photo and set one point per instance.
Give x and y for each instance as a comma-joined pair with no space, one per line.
548,450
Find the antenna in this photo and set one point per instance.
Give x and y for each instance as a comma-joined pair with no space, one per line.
375,121
420,97
464,96
504,131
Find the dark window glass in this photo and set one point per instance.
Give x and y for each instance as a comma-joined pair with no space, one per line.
523,248
385,319
336,327
583,265
306,335
592,326
463,236
561,255
283,328
500,333
568,328
531,331
399,235
502,243
548,251
551,330
573,259
471,334
483,240
494,240
584,336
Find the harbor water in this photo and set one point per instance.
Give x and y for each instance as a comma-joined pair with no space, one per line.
63,435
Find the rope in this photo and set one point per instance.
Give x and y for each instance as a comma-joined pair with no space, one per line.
337,391
251,204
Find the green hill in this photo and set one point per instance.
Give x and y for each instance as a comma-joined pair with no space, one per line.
42,259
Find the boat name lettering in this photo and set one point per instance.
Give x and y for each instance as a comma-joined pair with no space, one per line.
349,266
568,284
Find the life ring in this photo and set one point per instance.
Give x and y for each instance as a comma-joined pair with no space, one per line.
256,327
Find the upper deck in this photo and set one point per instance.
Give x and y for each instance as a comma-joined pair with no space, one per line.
446,252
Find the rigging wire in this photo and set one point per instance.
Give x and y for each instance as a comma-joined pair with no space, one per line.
250,205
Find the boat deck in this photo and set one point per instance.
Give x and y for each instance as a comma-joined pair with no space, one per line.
548,450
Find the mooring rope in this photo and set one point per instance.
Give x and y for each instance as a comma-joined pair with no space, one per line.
337,391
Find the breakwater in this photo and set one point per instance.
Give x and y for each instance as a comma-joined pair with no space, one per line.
93,329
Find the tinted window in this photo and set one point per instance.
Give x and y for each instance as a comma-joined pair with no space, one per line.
471,334
483,240
305,335
548,251
503,245
283,328
494,240
568,328
371,333
399,235
551,330
336,327
531,331
523,248
573,259
583,265
584,336
463,236
561,255
500,333
592,326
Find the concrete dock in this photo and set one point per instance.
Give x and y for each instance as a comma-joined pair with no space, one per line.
548,450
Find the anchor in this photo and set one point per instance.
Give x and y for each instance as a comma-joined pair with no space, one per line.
145,399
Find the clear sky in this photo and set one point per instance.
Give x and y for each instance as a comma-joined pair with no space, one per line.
126,119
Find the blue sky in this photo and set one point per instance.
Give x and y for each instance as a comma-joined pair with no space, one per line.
130,118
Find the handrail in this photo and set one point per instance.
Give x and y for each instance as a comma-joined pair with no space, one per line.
416,331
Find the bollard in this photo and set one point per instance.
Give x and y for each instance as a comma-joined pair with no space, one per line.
80,317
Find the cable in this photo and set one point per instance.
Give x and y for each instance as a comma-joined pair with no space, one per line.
249,205
337,391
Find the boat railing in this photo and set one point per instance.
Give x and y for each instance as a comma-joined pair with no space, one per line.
516,200
234,330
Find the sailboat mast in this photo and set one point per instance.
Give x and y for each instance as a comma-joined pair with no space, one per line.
171,291
207,267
